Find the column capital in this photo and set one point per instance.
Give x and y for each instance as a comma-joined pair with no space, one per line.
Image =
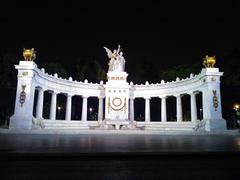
147,97
69,94
194,92
131,98
84,96
40,88
101,97
54,92
178,95
163,97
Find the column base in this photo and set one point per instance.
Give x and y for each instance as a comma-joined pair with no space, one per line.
215,124
21,122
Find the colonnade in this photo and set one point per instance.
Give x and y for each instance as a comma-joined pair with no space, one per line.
53,107
179,113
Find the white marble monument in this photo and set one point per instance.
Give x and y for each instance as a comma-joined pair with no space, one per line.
118,95
116,91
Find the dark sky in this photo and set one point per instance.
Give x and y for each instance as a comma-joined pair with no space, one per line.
165,34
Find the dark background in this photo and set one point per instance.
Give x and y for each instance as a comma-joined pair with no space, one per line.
159,40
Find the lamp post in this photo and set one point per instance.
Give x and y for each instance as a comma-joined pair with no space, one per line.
90,112
59,108
236,108
90,109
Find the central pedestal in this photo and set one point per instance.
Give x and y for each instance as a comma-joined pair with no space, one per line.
117,99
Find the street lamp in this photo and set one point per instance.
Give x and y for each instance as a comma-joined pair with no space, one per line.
90,109
59,108
236,108
90,113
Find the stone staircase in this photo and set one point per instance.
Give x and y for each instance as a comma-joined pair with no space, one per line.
80,125
62,124
183,126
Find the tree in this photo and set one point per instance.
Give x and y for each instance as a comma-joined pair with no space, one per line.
181,71
54,67
80,72
8,75
231,67
100,72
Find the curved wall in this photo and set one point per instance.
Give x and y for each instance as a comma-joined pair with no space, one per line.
31,77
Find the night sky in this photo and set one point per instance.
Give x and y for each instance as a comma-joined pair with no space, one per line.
156,34
161,34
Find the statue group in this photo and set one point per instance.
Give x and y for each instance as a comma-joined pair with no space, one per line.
117,61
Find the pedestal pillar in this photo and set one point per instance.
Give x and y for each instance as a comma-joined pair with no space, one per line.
193,107
53,106
131,109
68,107
212,108
163,109
84,108
100,109
23,112
179,108
39,110
147,109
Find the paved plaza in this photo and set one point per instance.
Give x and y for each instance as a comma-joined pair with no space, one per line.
118,142
119,156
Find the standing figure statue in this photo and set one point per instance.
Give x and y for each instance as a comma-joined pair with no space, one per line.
122,61
117,61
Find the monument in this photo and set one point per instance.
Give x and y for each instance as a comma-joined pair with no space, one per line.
117,91
118,95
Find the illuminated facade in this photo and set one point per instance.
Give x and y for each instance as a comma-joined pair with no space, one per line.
118,95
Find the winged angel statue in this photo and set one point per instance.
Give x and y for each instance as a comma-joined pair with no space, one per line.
117,61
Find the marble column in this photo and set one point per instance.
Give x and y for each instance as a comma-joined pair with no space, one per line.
53,106
100,109
147,109
68,107
193,107
84,108
131,109
163,109
179,108
39,111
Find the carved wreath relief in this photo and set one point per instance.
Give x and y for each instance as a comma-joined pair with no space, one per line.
22,96
117,104
215,100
